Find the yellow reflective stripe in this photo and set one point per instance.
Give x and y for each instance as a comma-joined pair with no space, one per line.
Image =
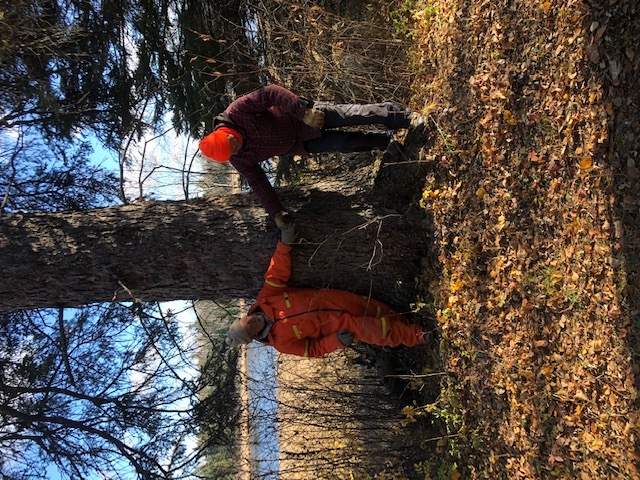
306,348
297,332
378,312
274,284
384,327
286,300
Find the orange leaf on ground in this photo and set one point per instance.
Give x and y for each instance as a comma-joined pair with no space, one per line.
586,163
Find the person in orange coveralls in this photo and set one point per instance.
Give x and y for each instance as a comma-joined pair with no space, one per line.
312,322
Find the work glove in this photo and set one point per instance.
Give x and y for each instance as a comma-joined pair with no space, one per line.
289,234
282,220
314,118
346,338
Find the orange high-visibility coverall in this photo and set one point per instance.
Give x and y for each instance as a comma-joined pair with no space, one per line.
307,321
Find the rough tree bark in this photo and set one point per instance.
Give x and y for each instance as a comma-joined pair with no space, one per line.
206,249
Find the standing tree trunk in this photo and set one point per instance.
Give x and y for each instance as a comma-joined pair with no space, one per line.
206,249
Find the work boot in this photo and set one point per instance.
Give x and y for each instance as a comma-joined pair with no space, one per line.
427,332
431,336
393,150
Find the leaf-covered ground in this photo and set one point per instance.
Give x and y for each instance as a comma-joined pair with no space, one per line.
533,192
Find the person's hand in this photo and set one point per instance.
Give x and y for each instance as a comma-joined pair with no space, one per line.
289,234
282,220
346,338
314,118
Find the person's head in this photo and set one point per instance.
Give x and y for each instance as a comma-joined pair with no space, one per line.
243,330
220,144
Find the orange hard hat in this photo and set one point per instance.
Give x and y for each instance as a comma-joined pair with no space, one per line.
216,145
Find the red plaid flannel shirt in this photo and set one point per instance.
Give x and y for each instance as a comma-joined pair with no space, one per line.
270,122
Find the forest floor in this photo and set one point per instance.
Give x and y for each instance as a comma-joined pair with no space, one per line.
533,192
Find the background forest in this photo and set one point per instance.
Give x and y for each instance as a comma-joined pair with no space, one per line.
516,227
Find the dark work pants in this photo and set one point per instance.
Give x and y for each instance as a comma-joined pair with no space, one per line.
391,115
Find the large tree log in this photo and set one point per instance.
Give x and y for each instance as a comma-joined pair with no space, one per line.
205,249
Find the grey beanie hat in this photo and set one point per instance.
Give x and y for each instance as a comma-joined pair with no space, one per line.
237,335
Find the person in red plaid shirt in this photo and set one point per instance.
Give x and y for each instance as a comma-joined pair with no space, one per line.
274,121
